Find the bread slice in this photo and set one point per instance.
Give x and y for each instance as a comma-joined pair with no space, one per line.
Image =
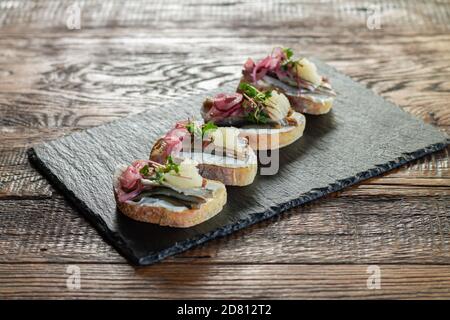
266,138
171,216
229,171
283,128
309,104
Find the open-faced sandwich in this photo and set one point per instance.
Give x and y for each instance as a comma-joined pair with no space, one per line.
264,117
221,153
298,79
172,194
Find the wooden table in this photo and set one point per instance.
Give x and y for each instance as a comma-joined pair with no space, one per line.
132,54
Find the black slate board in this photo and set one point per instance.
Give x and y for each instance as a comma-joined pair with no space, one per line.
362,137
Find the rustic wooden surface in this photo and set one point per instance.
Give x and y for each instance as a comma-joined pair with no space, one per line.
54,81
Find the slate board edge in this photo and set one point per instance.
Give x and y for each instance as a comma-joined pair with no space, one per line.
124,250
93,218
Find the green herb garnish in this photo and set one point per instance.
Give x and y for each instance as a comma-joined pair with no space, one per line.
193,128
200,131
197,130
288,63
254,93
257,117
162,170
144,171
256,104
159,177
288,52
171,165
208,127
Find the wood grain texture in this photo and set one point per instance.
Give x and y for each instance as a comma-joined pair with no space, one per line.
54,81
360,230
86,90
228,281
225,14
18,179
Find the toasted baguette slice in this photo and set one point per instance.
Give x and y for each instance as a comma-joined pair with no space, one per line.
165,214
229,171
298,78
281,127
308,104
261,138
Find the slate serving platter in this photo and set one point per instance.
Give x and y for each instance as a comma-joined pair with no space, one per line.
364,136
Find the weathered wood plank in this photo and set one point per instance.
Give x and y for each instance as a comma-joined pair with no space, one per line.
235,14
434,166
75,90
260,281
49,87
171,60
365,190
334,230
18,179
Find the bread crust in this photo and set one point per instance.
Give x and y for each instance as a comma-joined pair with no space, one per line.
228,175
178,219
304,105
272,139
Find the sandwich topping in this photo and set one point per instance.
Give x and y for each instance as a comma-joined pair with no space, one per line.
188,137
294,76
249,106
177,185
